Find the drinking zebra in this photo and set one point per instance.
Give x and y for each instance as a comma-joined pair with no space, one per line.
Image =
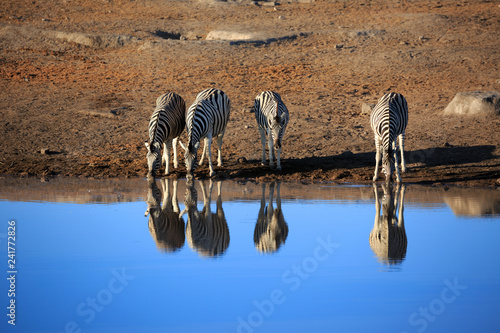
272,118
271,229
206,118
388,237
207,233
165,224
388,121
165,126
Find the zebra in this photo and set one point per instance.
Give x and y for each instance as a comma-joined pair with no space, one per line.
388,121
388,237
165,126
272,118
165,225
206,118
206,233
271,229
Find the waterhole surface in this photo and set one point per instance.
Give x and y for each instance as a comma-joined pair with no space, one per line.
256,258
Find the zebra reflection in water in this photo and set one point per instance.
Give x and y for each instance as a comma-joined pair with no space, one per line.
165,224
207,233
388,236
271,229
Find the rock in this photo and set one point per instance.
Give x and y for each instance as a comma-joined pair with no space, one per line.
474,103
367,108
229,35
242,160
347,153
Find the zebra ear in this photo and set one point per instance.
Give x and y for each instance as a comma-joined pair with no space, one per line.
147,146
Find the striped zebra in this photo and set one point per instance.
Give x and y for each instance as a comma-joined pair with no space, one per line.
165,126
388,121
165,225
207,233
206,118
271,229
388,237
272,118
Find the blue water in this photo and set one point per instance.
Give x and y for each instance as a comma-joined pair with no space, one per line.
97,268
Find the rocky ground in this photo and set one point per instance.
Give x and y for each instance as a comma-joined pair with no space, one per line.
79,79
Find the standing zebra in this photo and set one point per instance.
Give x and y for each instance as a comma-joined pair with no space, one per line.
388,237
207,233
165,126
206,118
166,226
272,117
271,229
388,121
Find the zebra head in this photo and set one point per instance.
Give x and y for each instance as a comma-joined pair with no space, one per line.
277,126
153,157
190,158
388,163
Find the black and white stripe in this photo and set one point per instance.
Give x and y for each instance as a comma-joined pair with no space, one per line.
388,121
165,126
165,224
388,237
272,117
206,118
271,229
207,233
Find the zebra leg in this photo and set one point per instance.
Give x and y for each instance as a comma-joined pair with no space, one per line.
396,162
278,157
401,220
208,146
219,147
262,209
271,148
166,155
402,148
377,205
263,141
377,158
166,194
174,148
207,143
278,196
270,207
175,201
